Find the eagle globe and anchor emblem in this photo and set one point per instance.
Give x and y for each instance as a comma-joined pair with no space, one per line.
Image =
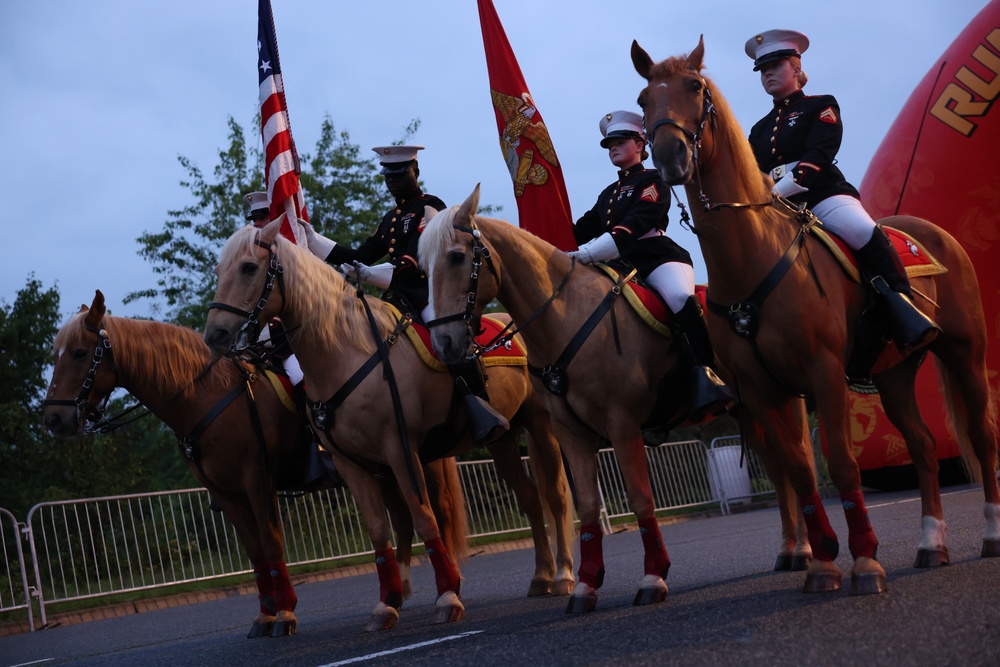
517,114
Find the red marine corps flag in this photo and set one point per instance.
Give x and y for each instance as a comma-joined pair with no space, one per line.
281,161
542,202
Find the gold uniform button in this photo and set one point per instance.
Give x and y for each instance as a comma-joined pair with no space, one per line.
772,151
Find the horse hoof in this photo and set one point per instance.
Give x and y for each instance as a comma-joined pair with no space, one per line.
783,563
261,627
449,608
991,548
931,557
539,587
563,587
800,562
382,621
650,594
869,583
822,582
582,600
285,624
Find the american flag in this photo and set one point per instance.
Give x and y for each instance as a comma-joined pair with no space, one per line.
281,161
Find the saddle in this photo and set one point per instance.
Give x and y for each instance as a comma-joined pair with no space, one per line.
916,260
645,301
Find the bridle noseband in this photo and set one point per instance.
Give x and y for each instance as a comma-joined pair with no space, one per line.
91,413
248,333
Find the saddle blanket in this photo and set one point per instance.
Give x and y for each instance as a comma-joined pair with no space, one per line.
647,303
511,354
283,388
916,260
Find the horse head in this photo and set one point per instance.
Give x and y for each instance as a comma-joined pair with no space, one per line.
452,251
676,106
248,270
80,382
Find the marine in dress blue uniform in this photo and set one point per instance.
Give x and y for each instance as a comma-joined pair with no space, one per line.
796,143
629,222
398,236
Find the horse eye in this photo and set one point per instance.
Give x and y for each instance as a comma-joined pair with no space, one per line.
456,258
79,354
695,85
248,268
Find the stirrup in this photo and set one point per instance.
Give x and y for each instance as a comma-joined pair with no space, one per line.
911,328
709,395
484,422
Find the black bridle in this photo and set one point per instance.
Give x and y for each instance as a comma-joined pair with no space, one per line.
91,414
248,333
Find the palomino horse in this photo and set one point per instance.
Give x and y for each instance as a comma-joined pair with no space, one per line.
797,339
169,370
382,418
603,384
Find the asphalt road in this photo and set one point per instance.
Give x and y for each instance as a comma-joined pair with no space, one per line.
725,608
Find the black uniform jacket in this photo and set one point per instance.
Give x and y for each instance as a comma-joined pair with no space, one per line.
806,129
637,203
396,236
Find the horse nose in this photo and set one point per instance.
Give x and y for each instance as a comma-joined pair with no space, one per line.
52,421
217,338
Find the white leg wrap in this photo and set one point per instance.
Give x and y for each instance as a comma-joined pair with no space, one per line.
935,531
992,514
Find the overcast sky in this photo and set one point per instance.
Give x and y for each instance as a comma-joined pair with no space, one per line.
101,97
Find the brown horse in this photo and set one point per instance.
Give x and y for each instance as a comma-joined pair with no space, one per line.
603,384
379,421
168,369
797,339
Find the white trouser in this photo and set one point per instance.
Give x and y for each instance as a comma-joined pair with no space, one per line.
675,283
291,364
847,218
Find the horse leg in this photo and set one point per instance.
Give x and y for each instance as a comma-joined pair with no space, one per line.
895,387
402,522
967,394
867,575
794,553
508,463
631,454
550,476
581,453
242,516
446,574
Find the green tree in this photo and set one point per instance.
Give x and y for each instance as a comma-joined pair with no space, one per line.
344,196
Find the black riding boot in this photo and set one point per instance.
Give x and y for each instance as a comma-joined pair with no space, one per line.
709,394
484,421
910,328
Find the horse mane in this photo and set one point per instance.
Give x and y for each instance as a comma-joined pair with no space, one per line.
727,130
165,358
437,235
328,307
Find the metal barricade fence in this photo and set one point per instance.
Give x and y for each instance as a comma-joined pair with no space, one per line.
100,546
15,593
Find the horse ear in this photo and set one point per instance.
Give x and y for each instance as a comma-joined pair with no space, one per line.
429,213
96,312
698,55
643,63
269,231
470,206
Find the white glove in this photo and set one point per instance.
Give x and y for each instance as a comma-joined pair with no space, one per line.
600,249
379,275
787,187
318,244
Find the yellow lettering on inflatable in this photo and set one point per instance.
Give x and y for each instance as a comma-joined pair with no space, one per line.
985,90
963,106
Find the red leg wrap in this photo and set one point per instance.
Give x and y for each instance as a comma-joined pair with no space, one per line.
445,573
389,583
822,539
284,595
265,588
591,555
860,538
657,561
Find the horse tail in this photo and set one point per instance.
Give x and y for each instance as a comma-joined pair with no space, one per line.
453,518
958,417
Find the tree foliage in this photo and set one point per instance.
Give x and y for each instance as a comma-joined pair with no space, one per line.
344,197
